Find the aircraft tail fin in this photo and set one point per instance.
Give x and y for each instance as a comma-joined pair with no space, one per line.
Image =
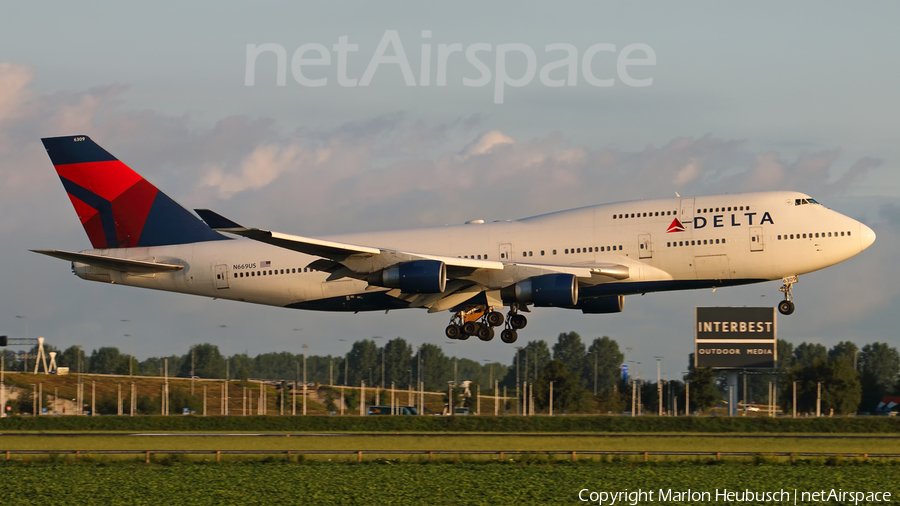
117,207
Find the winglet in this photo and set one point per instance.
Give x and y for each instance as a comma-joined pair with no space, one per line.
216,221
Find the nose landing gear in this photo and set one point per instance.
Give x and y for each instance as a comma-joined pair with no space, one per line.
786,306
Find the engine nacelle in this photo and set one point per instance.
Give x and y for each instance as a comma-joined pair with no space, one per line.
602,305
419,276
549,290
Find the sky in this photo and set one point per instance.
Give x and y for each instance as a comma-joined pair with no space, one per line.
515,109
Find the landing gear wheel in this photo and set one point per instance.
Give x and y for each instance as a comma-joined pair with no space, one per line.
453,331
508,336
785,307
463,337
518,321
470,328
485,333
495,319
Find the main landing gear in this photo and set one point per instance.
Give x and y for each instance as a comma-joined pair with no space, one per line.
514,322
786,306
480,321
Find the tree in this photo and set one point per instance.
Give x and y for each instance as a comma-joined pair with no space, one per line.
843,391
568,394
436,367
843,350
105,360
570,350
535,357
805,354
880,366
207,362
704,393
276,366
602,366
71,357
363,360
243,366
397,362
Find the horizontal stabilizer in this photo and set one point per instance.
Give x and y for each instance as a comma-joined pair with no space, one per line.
216,221
116,264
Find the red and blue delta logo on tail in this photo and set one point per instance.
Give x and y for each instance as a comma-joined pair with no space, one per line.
117,207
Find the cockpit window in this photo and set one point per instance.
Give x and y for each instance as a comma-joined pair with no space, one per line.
800,202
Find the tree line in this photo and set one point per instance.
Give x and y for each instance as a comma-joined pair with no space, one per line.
586,377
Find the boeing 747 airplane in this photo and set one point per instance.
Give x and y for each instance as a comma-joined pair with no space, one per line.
586,259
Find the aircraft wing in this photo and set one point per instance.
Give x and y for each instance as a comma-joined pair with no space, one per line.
116,264
357,257
587,271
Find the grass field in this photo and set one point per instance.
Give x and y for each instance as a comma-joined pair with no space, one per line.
384,483
492,442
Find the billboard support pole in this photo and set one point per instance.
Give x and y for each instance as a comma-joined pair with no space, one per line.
732,377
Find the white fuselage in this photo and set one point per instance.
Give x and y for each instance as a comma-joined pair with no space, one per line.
721,240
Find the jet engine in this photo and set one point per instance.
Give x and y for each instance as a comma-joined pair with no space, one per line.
419,276
602,305
549,290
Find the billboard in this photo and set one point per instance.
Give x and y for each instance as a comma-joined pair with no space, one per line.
735,337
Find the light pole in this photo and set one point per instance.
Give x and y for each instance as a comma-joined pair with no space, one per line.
421,379
382,363
294,390
304,378
659,383
518,359
193,347
131,335
227,351
24,360
491,373
455,363
346,362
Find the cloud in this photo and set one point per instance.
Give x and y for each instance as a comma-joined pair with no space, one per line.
484,143
14,92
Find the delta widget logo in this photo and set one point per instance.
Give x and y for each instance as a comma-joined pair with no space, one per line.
676,226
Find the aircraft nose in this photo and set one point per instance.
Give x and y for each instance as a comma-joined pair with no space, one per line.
866,236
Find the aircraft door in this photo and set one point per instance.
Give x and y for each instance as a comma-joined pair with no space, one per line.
687,211
221,276
757,239
505,252
645,246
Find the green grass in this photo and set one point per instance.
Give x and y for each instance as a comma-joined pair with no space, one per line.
502,424
446,442
385,482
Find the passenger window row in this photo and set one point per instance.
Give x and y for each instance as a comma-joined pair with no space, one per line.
569,251
644,215
272,272
696,242
810,235
706,210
